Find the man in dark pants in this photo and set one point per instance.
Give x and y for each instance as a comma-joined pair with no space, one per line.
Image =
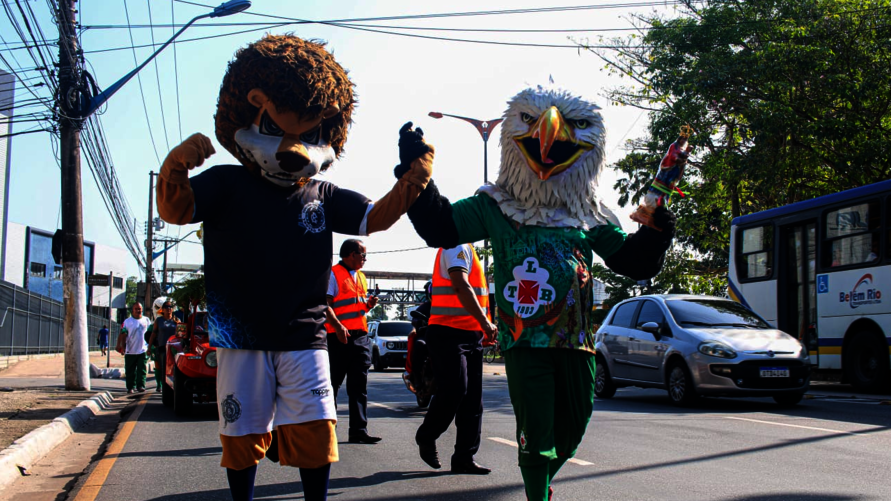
349,349
454,341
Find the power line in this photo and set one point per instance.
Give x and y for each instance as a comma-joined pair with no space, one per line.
114,49
382,29
158,78
141,92
536,10
179,120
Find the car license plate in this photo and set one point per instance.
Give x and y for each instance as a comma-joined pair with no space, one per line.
774,372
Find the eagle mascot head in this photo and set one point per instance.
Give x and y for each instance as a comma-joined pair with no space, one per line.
552,146
284,108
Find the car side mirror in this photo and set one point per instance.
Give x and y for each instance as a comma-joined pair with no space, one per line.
653,328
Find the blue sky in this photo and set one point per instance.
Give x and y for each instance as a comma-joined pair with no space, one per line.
397,79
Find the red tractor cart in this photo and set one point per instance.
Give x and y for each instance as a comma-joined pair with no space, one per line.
190,366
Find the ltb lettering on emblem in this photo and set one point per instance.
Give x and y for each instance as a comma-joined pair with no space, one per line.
529,288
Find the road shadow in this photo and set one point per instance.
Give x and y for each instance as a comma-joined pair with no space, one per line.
856,411
706,458
294,490
795,496
156,412
198,452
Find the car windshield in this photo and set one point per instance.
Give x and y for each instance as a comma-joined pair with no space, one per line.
713,313
392,329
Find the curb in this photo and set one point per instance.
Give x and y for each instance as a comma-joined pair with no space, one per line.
34,446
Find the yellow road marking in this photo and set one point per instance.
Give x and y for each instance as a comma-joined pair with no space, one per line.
794,426
514,444
97,477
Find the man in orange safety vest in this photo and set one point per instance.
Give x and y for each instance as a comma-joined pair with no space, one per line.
458,323
349,349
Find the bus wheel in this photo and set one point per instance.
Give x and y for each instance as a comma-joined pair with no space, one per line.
866,361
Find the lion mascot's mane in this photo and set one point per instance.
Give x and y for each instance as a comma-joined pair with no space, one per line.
297,75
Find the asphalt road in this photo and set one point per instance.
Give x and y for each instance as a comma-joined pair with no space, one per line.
638,447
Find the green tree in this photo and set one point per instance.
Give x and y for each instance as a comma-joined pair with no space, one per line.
190,290
378,313
483,252
130,291
790,100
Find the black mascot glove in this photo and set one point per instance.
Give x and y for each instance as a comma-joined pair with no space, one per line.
411,147
643,253
666,221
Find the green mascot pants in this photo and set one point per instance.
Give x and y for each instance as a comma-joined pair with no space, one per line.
552,393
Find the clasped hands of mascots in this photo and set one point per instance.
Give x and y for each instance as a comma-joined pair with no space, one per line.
197,148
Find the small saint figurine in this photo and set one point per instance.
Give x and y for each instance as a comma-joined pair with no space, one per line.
670,171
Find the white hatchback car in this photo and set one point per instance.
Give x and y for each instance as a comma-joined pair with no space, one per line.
697,345
389,343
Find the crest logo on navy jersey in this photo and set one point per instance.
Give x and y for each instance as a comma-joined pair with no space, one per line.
230,409
312,219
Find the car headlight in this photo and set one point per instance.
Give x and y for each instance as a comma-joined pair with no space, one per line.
390,346
715,349
211,359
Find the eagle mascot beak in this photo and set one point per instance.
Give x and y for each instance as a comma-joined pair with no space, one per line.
550,147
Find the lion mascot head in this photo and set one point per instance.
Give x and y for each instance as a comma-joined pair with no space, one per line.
285,108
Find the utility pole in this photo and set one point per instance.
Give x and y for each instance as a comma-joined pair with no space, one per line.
110,298
75,105
77,374
149,244
164,277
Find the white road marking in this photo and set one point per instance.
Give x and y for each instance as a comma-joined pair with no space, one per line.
385,406
514,444
794,426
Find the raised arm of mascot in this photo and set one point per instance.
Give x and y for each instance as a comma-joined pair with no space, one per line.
176,200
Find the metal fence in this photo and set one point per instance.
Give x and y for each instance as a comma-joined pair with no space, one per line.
32,324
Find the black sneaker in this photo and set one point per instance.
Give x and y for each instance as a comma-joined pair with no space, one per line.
470,468
363,438
430,455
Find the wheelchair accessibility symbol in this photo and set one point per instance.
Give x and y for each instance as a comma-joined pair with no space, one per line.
822,284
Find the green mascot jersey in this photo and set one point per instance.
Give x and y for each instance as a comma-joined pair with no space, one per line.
543,287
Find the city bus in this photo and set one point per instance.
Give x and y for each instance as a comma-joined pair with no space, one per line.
818,270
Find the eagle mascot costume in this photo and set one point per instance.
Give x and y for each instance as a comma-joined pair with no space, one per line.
545,222
284,112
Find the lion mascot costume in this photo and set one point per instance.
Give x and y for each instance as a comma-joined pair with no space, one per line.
545,221
284,112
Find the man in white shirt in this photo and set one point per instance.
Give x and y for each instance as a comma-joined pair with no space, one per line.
135,347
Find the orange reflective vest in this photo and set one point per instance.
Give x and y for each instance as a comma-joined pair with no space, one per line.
349,304
445,307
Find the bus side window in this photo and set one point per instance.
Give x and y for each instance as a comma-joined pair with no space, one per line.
852,235
755,255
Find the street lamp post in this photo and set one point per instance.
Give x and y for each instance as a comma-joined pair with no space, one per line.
75,107
485,128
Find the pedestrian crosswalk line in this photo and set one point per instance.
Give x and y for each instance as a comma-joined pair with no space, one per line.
794,426
511,443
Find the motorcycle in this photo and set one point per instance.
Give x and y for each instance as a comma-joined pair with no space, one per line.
418,375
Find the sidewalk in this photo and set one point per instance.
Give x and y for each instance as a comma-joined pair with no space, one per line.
32,393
